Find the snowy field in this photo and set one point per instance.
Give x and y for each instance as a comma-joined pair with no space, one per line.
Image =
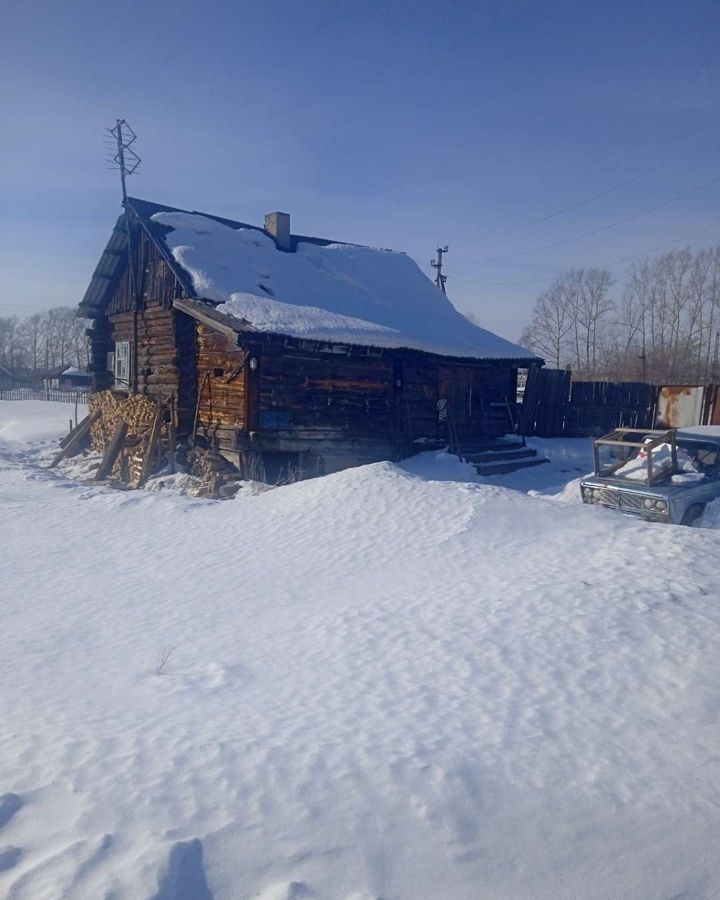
396,682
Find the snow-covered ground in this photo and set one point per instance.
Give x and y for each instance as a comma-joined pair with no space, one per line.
394,682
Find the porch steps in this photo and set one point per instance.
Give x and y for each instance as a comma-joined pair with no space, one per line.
500,456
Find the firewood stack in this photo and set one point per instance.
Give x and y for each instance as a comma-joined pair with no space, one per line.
139,412
219,479
136,409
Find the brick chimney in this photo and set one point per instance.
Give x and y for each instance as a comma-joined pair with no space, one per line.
278,225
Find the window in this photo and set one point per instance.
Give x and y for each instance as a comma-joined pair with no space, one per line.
122,365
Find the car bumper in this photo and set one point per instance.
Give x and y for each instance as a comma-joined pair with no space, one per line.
647,515
628,503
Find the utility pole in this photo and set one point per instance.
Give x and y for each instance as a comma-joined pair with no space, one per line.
127,161
437,264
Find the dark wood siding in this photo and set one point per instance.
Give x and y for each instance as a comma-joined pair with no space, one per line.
419,395
221,381
321,392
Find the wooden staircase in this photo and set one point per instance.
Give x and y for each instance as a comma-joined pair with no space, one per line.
494,456
500,456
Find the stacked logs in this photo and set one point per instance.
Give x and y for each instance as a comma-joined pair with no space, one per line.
138,412
218,478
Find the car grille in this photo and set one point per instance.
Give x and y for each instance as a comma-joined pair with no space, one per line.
608,497
631,501
620,499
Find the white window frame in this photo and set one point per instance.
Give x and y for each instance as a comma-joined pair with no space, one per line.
122,365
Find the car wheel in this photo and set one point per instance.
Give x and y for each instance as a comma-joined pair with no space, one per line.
693,513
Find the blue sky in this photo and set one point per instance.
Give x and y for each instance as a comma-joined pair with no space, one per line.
394,124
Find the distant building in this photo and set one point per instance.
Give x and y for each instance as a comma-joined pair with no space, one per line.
68,378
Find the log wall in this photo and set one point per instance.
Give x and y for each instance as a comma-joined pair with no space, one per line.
355,405
324,391
221,381
165,356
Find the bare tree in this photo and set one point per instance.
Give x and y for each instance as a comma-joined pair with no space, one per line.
665,328
9,351
33,340
550,326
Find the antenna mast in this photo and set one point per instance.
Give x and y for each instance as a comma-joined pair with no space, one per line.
437,264
125,158
127,161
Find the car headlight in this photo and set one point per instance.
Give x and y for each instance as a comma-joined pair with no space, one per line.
648,503
661,505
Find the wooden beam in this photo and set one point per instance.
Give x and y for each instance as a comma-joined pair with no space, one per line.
77,437
238,368
172,438
203,312
150,449
69,436
111,452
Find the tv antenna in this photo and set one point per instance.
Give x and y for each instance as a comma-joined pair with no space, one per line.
437,264
120,140
124,157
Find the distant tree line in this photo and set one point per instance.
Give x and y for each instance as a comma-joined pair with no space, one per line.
43,341
664,328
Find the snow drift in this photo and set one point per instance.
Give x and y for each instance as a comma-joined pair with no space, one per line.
385,683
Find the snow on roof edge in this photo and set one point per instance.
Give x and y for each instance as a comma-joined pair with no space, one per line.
329,292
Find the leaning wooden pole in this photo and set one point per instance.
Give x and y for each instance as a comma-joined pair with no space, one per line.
77,437
150,449
112,451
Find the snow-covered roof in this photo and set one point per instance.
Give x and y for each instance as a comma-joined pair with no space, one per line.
321,290
73,370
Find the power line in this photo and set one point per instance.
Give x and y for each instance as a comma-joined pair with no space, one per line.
585,234
617,262
590,199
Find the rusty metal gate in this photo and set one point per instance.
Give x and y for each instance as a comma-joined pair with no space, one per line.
680,405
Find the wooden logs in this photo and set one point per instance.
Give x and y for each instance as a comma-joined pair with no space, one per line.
76,438
112,451
150,449
135,409
135,457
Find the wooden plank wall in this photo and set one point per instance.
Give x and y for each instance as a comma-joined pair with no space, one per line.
419,397
101,344
321,391
222,406
158,280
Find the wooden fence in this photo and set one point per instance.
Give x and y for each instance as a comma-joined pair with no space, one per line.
555,406
43,393
545,402
596,407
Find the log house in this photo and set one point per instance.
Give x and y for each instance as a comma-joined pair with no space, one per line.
271,401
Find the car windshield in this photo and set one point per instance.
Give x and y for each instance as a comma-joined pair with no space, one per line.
697,456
